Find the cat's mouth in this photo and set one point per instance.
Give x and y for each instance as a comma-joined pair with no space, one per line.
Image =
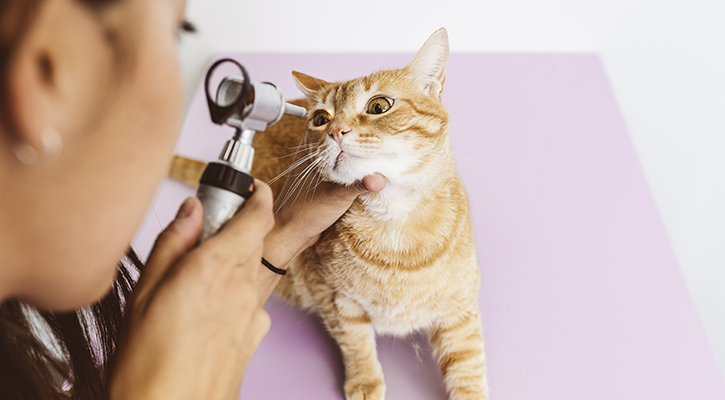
337,159
346,167
342,157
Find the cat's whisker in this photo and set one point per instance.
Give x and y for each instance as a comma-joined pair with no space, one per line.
308,145
380,60
461,158
310,176
298,150
303,148
313,187
303,179
309,173
304,158
465,116
299,180
289,194
319,182
301,172
288,155
293,167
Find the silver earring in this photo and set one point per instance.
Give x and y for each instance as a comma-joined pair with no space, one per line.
52,147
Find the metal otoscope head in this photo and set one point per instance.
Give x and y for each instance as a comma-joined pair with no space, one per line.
245,105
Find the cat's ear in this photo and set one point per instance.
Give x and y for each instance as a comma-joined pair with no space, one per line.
429,64
308,84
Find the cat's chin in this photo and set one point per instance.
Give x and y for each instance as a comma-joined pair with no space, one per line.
343,178
346,171
346,176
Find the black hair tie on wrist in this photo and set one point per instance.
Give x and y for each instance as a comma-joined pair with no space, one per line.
272,268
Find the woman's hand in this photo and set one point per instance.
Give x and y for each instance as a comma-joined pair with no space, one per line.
299,224
195,318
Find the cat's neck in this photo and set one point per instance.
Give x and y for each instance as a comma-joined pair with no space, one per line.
402,199
393,204
400,220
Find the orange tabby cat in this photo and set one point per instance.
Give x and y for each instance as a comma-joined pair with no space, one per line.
400,260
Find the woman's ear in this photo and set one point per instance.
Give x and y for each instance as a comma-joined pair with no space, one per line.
32,81
55,76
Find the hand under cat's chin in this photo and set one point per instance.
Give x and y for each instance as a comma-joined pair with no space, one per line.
375,182
299,223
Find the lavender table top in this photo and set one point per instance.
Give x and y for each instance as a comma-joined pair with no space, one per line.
581,297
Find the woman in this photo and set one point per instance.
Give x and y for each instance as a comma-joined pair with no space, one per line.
89,109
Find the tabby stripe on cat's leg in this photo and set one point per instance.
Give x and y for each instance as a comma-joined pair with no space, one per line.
459,348
363,372
351,328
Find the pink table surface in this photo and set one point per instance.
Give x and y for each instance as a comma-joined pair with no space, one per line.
581,297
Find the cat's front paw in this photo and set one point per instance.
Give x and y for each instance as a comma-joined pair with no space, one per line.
365,390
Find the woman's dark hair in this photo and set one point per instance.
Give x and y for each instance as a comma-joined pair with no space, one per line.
83,341
46,355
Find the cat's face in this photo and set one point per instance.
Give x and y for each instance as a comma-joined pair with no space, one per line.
390,122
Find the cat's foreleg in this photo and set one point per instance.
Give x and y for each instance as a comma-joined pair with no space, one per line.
351,327
458,344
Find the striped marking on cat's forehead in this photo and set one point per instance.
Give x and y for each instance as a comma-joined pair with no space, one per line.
350,93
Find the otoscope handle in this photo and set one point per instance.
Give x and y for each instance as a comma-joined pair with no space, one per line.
223,190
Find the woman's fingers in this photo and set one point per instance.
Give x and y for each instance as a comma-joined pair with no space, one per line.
175,241
345,195
245,232
198,306
239,240
375,182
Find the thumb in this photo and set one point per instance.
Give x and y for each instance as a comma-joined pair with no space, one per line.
340,197
375,182
371,183
176,240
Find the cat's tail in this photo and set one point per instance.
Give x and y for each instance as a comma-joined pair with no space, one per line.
186,170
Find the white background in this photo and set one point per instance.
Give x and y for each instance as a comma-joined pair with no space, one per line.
665,60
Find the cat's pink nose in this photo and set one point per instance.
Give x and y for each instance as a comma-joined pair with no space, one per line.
338,131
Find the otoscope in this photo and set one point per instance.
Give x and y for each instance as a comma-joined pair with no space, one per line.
248,108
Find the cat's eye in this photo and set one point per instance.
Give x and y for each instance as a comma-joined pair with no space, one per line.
320,118
379,105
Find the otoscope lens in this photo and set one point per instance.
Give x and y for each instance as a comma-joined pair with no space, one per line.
229,91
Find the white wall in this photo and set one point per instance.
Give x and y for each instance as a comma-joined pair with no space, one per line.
665,60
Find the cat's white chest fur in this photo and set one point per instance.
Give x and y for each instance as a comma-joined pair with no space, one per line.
392,204
395,318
